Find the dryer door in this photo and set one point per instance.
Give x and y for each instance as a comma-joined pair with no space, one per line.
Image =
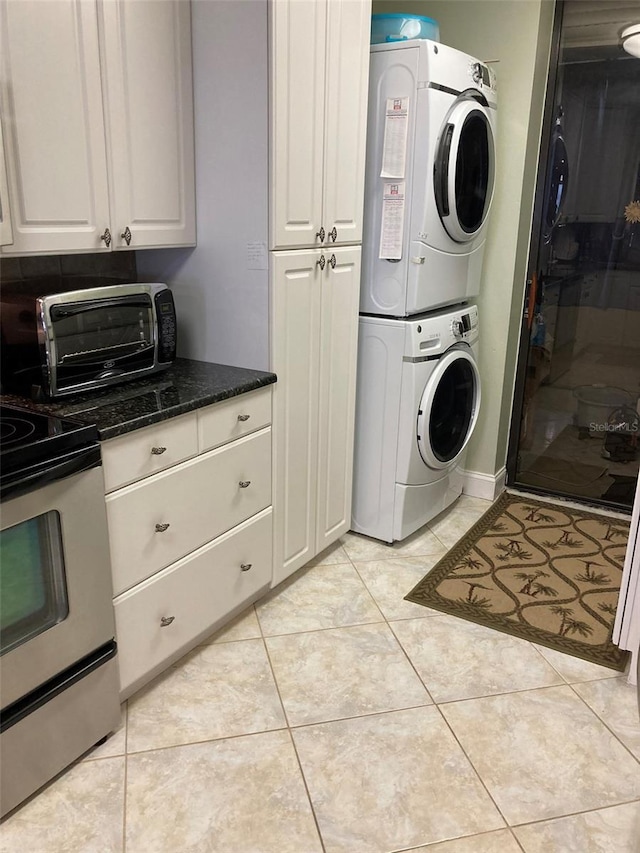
448,408
464,170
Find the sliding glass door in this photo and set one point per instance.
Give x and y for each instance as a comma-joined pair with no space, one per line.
576,425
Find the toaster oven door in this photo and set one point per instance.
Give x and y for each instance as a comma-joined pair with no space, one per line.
97,339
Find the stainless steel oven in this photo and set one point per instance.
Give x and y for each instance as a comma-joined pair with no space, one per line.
58,676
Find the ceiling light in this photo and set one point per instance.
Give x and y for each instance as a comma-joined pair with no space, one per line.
631,39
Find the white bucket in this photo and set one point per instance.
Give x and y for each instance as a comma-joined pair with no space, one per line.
596,403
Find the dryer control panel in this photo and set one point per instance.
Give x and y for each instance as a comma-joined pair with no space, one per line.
482,75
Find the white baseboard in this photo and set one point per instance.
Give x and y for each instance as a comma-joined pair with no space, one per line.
486,486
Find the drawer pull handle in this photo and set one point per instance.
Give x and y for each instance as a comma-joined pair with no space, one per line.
244,484
160,528
245,566
158,451
166,620
243,417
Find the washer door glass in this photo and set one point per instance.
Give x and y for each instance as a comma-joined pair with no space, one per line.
464,170
448,409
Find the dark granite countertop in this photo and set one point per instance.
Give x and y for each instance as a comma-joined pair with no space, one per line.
185,386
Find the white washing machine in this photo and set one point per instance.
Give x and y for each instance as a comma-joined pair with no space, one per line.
417,402
429,177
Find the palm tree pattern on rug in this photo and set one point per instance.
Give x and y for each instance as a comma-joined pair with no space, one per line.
545,572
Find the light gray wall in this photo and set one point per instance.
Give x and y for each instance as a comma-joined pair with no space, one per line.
221,301
516,34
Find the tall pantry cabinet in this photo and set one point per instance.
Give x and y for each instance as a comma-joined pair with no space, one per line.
319,62
281,90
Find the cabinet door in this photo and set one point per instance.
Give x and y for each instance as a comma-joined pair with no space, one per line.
337,393
6,233
53,122
347,80
297,78
149,112
295,327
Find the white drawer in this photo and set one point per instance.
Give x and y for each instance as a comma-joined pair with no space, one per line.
191,596
197,500
233,418
148,450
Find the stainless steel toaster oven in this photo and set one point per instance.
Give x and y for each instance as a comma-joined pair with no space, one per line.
62,343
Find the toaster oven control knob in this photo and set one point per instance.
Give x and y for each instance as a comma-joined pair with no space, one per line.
158,451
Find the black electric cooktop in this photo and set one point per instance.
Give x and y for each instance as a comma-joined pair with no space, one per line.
31,442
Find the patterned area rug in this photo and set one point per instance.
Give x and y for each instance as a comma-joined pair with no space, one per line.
543,572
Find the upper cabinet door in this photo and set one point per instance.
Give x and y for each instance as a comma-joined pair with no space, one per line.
347,93
297,77
53,124
149,112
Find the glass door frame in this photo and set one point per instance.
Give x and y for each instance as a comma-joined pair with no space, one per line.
548,126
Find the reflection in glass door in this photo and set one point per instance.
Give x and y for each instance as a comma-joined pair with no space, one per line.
576,427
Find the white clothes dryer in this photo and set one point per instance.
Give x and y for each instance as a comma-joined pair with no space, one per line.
417,402
429,177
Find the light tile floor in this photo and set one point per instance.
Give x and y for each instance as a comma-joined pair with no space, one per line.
335,717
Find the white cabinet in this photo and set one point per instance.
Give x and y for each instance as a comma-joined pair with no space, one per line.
6,233
319,75
319,67
191,544
315,296
98,115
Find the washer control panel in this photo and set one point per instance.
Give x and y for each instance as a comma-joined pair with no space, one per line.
463,325
431,334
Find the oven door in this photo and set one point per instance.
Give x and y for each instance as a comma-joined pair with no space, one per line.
101,338
55,581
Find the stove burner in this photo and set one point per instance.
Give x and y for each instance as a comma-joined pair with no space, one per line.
14,428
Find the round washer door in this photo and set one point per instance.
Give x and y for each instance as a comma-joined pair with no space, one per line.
464,170
448,408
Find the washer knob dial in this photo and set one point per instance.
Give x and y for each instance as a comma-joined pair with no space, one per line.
457,328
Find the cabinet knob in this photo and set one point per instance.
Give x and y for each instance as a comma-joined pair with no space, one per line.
321,262
166,620
126,235
245,566
158,451
333,234
333,262
160,528
244,484
243,417
106,236
320,234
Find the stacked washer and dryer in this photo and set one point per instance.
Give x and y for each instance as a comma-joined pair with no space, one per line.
429,184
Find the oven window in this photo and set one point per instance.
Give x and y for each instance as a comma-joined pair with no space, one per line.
33,591
102,329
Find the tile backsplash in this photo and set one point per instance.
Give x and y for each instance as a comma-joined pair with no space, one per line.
76,271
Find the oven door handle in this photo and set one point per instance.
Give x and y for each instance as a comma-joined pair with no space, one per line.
30,479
